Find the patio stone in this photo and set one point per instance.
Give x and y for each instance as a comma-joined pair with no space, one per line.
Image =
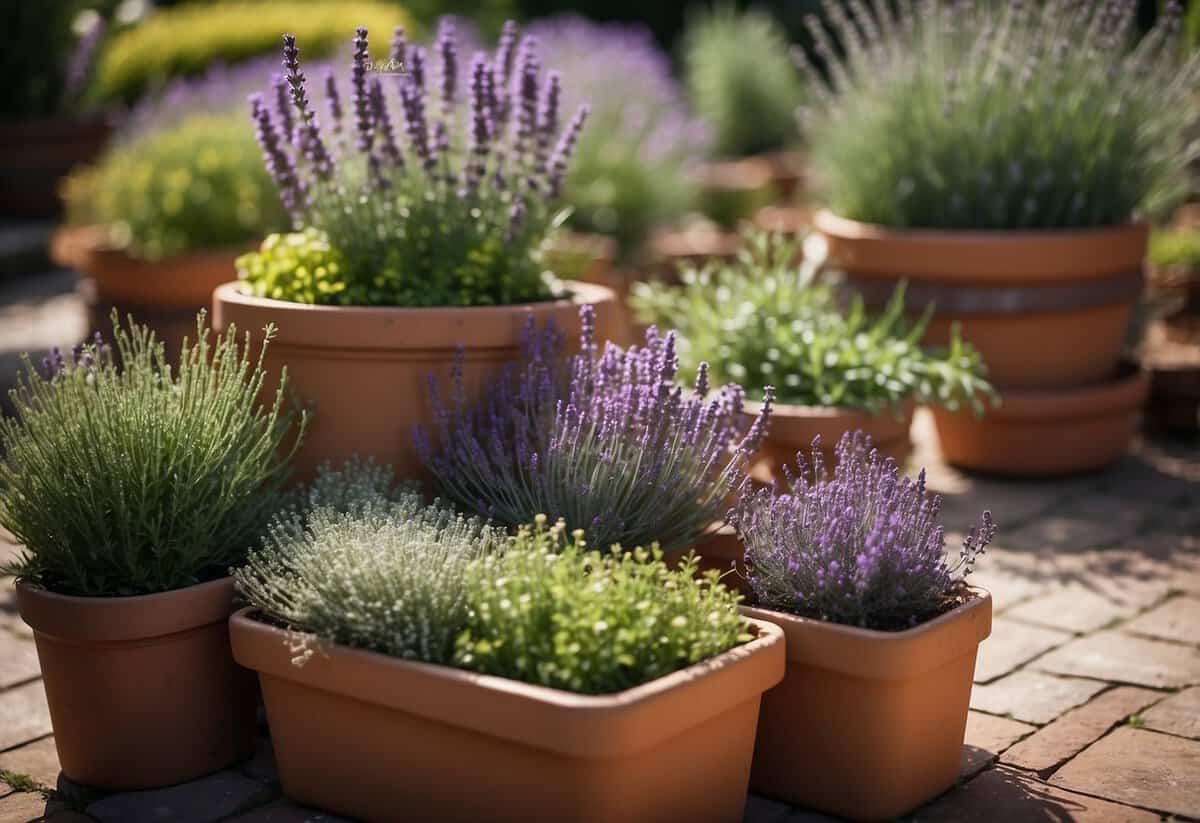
38,760
288,813
23,807
1178,619
765,810
1074,608
1003,795
1032,697
1077,729
987,736
202,801
1179,714
1143,768
1012,644
18,660
1076,528
26,716
1123,658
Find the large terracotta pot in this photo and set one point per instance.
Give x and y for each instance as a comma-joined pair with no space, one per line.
143,691
868,724
793,428
365,371
36,154
1045,309
1047,432
164,294
733,190
375,737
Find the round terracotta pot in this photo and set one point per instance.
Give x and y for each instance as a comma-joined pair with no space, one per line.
591,258
732,190
143,691
868,724
1047,432
164,294
793,428
36,154
1045,309
365,735
364,371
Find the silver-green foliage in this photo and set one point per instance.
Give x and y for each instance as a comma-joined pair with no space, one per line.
765,319
122,476
740,78
363,565
999,116
552,612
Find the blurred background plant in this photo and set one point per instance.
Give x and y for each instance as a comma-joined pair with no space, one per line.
741,79
766,319
198,184
631,168
1002,116
1176,248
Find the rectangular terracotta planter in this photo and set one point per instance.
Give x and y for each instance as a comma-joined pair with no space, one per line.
379,738
868,724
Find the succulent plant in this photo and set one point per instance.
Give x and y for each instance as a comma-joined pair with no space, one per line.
862,548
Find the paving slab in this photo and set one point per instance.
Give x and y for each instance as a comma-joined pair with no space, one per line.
38,760
18,660
1070,734
1012,644
26,715
1179,714
1074,608
1141,768
23,807
1032,697
206,800
987,736
1123,658
1178,620
1004,795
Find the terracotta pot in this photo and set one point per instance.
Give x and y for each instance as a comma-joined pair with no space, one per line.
591,258
36,154
733,190
1173,406
143,691
691,245
718,549
868,724
1044,309
363,734
784,219
1047,432
164,294
793,428
364,371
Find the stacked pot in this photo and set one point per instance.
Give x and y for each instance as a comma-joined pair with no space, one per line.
1047,310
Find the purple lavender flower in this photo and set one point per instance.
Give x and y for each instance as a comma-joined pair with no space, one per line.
308,133
862,548
561,157
396,54
416,126
279,164
448,52
358,84
334,100
656,463
82,58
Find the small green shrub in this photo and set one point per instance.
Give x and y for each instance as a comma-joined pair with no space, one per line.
299,267
741,79
1175,248
765,320
362,566
122,476
550,612
187,39
1001,116
196,185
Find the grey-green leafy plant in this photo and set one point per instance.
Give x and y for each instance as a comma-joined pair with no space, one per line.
365,565
766,319
741,79
124,476
549,611
999,116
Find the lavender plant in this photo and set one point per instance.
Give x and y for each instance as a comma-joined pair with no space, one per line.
630,171
364,565
608,442
548,610
862,548
123,476
440,204
1000,116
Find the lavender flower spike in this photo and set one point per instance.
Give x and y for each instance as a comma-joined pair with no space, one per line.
279,164
334,100
283,106
561,157
448,52
358,84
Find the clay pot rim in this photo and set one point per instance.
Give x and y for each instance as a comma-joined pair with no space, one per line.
1126,392
875,654
830,223
572,724
134,618
76,246
907,408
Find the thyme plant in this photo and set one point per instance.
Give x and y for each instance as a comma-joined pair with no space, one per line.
428,202
766,319
609,442
1015,115
122,475
548,610
862,548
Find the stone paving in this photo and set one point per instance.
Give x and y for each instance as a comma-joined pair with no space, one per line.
1087,698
